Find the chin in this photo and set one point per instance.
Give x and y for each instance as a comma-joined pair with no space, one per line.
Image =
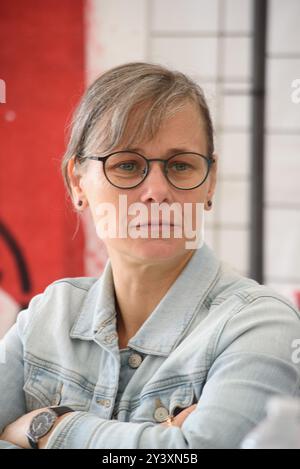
156,248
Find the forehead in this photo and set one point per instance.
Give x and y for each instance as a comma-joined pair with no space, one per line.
186,122
182,127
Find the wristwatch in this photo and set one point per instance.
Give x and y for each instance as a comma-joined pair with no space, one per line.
42,423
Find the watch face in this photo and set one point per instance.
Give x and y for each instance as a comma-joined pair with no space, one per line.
41,424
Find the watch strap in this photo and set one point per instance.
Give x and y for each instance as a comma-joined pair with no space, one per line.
61,410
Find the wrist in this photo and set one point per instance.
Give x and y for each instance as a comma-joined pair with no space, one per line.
42,443
42,425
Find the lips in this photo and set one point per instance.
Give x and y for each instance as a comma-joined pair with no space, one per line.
155,224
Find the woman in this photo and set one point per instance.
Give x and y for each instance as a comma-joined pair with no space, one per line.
169,348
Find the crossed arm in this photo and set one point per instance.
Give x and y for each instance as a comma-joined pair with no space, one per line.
15,433
252,361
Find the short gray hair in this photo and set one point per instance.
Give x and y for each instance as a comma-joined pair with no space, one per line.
153,91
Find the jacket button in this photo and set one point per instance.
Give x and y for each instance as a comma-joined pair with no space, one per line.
161,414
135,360
104,402
110,338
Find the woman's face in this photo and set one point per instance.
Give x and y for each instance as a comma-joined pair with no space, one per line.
184,130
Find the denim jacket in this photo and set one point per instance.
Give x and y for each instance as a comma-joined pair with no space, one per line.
217,339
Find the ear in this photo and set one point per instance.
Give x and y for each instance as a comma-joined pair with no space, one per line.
212,179
75,178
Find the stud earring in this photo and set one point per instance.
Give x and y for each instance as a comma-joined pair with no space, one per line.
209,203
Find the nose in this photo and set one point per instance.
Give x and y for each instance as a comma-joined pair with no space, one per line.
156,187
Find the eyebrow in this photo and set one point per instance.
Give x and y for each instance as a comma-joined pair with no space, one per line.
171,151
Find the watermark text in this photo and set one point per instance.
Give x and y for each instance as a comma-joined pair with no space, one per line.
2,351
158,221
2,91
295,96
296,353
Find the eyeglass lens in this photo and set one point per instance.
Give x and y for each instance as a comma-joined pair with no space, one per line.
184,171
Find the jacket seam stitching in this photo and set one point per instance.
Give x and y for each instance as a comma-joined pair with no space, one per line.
236,312
70,283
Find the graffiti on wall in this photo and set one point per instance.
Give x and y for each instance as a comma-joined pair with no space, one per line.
8,306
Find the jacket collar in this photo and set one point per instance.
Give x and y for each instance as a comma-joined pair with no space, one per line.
169,320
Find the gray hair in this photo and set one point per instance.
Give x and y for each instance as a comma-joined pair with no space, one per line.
152,91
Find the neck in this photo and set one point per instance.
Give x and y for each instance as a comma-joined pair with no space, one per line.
139,287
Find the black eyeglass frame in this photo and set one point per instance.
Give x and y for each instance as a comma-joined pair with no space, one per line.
210,160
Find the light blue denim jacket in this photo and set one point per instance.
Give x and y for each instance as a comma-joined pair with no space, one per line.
217,339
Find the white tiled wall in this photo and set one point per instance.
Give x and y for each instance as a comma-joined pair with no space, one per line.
234,203
236,112
116,32
282,195
235,158
239,256
237,16
284,31
211,41
282,249
282,113
283,171
184,16
237,58
194,56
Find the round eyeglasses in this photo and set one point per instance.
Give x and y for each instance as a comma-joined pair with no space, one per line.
127,169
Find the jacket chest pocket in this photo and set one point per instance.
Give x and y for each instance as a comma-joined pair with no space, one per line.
158,405
44,388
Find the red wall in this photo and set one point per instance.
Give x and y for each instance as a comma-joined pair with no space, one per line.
42,63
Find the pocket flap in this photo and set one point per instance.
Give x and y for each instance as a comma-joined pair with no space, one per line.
44,388
181,398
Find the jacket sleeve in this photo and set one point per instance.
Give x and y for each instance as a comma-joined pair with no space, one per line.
251,360
12,401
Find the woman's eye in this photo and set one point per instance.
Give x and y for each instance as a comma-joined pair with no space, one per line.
180,166
127,166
